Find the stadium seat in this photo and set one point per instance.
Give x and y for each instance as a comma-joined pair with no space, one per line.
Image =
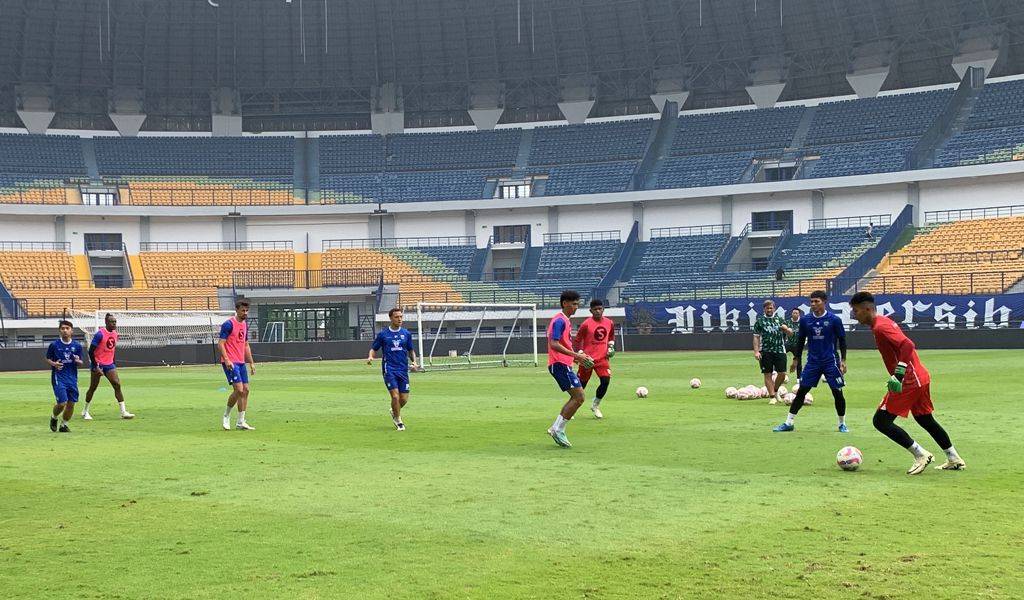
214,268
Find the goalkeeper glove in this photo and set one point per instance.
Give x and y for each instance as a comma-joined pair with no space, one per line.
896,379
611,349
585,361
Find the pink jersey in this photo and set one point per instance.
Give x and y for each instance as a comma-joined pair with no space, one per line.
560,330
104,342
593,337
235,334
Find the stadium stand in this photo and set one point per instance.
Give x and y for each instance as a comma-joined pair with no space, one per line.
860,158
591,178
255,156
734,131
214,266
961,257
998,105
351,153
55,268
884,117
597,142
703,170
32,189
208,191
41,154
982,146
459,150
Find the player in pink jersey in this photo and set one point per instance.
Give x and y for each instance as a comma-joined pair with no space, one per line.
235,354
101,357
561,357
596,337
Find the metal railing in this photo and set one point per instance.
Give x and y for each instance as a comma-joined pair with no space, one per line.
978,282
15,246
99,246
208,197
841,222
307,279
955,257
213,246
404,242
56,306
583,236
657,232
969,214
56,283
39,195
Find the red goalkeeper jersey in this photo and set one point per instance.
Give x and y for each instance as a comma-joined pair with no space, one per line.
895,347
593,337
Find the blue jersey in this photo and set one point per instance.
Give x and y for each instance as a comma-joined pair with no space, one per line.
65,354
395,347
822,334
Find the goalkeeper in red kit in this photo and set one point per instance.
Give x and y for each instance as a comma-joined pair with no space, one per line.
596,337
908,388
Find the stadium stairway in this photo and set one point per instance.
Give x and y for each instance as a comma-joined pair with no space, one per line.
949,122
729,251
531,262
658,147
803,127
523,156
89,158
478,264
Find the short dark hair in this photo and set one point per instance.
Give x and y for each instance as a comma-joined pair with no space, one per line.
241,302
568,296
595,303
108,316
862,297
797,310
392,312
64,322
820,294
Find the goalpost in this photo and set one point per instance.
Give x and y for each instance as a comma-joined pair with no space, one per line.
466,335
148,328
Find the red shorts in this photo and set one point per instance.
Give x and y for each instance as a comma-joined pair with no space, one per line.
601,367
916,401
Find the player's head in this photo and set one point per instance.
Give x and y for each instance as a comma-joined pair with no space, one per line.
795,314
569,301
818,300
769,308
241,309
863,305
110,321
395,314
65,327
597,308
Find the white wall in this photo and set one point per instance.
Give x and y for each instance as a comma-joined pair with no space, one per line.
573,219
27,229
295,229
536,219
993,190
798,202
183,230
77,226
855,202
681,213
440,224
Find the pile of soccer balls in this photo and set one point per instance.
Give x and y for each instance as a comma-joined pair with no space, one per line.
752,392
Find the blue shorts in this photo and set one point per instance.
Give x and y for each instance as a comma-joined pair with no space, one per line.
814,369
64,392
397,380
237,373
107,368
565,376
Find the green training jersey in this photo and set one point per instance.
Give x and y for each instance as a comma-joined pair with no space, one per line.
772,337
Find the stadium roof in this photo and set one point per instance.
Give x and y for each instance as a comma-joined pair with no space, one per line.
311,64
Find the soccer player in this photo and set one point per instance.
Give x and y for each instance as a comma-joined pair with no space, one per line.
908,388
825,332
596,337
64,355
101,357
235,354
794,326
561,357
395,344
770,330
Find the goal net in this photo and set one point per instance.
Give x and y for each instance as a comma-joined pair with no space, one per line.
138,328
459,335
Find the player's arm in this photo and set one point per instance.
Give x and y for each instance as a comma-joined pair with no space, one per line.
51,358
375,346
904,353
554,343
412,353
78,355
225,331
841,341
611,341
757,344
801,338
248,358
577,342
92,350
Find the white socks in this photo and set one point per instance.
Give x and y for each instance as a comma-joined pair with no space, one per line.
917,450
241,416
86,411
790,418
124,410
597,402
842,420
951,453
560,423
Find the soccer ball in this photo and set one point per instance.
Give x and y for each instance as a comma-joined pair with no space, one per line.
695,383
730,392
641,392
808,399
796,387
849,458
742,394
782,390
764,391
788,399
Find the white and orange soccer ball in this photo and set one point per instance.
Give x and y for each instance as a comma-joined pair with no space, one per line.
788,399
849,458
695,383
808,399
743,394
641,392
764,391
730,392
782,390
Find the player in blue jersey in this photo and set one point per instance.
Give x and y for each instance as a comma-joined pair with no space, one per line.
64,355
395,344
823,332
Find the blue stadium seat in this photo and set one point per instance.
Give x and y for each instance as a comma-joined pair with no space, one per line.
859,158
998,105
595,142
982,146
59,155
884,117
733,131
211,156
590,178
703,170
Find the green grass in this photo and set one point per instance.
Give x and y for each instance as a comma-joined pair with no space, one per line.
683,495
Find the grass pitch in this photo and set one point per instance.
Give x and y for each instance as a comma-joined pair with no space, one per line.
682,495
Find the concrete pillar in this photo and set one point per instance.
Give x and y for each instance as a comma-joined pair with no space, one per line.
914,200
226,112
